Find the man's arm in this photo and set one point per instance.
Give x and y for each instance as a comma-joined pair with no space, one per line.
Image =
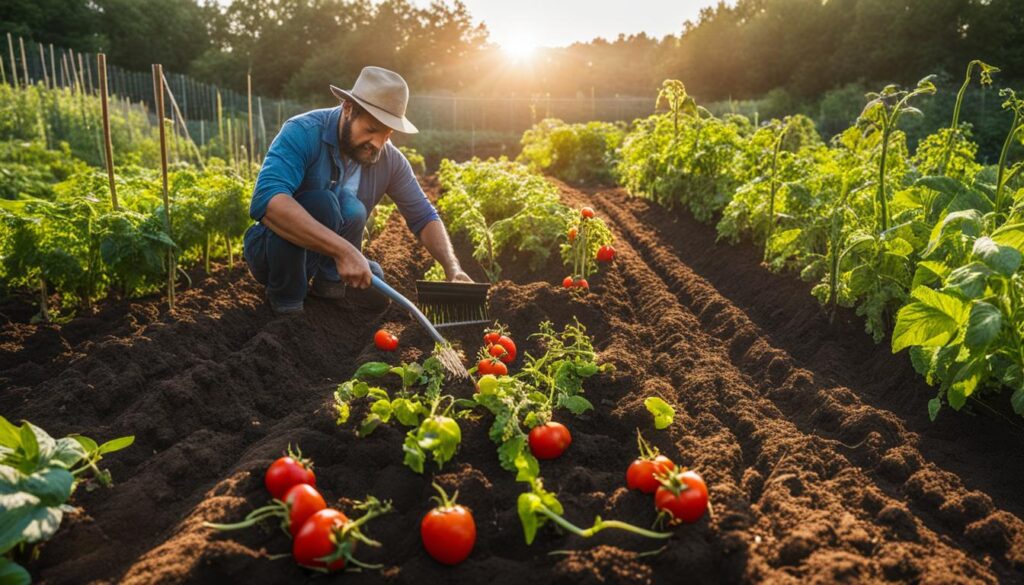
421,216
435,240
292,222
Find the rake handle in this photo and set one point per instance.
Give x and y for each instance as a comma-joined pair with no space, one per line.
406,304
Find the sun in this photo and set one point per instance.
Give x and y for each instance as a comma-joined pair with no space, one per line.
520,48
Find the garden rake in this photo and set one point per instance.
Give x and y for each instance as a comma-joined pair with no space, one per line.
444,352
451,304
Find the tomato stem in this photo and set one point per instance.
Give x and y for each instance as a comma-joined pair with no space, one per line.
277,509
600,525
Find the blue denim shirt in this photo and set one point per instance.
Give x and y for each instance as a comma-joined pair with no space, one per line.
298,160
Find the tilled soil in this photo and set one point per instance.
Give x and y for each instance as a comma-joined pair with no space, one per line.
820,464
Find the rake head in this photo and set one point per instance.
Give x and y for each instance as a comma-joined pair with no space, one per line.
450,304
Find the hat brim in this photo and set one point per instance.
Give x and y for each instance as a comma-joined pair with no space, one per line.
396,123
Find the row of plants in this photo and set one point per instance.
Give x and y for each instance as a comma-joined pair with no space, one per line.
78,247
507,209
924,245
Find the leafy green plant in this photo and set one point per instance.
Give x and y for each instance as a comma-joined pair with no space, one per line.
584,238
432,415
38,475
503,208
583,153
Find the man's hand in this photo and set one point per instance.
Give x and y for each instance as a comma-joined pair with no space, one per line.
460,277
353,268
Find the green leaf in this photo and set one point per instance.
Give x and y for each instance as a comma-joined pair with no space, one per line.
68,451
52,485
929,272
1017,401
382,408
933,408
117,444
369,424
344,412
969,281
966,222
11,573
932,320
1003,259
576,404
9,434
371,370
414,456
965,383
527,466
509,451
983,325
29,444
407,412
1010,235
663,413
440,435
527,506
89,445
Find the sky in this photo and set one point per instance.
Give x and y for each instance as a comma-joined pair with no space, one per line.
555,23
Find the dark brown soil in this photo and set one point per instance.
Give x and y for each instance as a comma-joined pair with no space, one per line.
821,464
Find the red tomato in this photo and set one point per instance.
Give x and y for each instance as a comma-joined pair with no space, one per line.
491,366
587,212
572,234
686,499
484,367
285,473
548,441
385,341
641,472
496,350
303,501
582,283
605,254
449,533
567,283
315,539
509,346
491,337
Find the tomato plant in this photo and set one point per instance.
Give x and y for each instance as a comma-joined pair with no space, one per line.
448,531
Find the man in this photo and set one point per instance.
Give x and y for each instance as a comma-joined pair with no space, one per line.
324,172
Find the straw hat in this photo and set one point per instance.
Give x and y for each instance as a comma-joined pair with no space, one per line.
384,94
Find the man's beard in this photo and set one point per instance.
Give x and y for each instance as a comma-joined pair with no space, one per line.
365,154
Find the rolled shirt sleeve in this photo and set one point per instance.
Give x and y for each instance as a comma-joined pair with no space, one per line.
284,166
405,191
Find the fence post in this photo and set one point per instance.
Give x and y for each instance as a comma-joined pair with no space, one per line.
14,66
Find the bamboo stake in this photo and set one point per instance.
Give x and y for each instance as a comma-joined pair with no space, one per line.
108,149
53,67
81,74
248,169
263,131
14,66
184,127
42,61
158,94
64,78
3,74
88,69
74,71
24,61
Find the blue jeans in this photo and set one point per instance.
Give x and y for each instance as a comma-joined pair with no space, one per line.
286,268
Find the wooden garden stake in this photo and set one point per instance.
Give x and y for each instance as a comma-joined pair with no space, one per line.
101,66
